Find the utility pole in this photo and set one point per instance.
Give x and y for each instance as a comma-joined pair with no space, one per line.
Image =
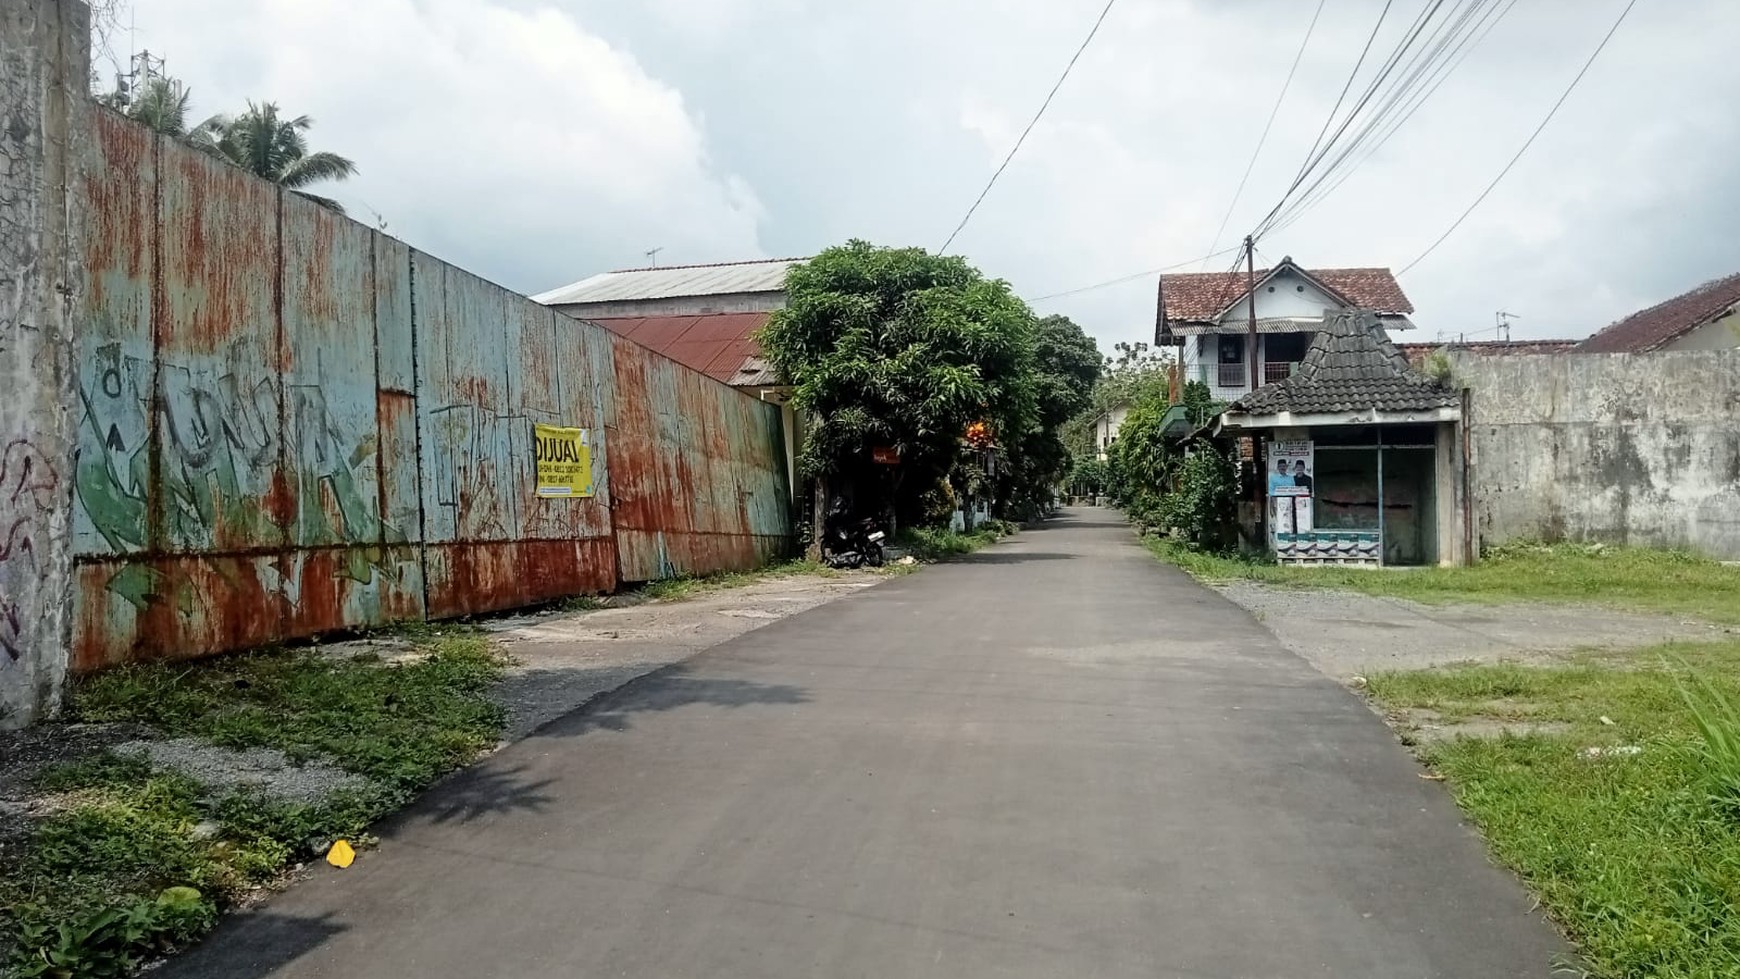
1503,319
1251,293
652,255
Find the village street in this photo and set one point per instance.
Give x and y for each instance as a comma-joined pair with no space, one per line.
1057,757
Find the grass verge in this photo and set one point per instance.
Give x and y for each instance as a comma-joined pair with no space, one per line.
1626,577
934,545
1631,850
673,589
137,860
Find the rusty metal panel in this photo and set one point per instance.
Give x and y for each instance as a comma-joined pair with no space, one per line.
113,350
470,577
331,429
394,350
396,406
219,480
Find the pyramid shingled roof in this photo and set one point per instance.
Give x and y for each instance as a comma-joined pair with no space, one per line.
1351,365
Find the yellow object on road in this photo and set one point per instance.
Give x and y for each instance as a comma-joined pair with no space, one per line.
341,855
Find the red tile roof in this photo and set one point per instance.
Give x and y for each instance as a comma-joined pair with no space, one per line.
1652,327
1205,295
716,344
1418,352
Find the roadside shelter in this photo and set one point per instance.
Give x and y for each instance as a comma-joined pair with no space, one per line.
1359,457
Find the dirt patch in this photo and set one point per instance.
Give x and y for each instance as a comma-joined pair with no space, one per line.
1423,726
563,659
1345,634
27,753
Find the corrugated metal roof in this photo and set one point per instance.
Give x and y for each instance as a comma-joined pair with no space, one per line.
672,281
716,344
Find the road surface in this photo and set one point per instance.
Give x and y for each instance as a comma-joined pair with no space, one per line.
1055,758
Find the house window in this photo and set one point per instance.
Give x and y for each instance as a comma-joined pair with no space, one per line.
1282,353
1232,362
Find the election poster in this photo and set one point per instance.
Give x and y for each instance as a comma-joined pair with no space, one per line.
1292,468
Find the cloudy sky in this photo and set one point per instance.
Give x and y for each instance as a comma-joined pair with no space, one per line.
538,141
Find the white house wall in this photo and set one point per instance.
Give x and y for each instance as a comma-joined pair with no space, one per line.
1718,334
1287,294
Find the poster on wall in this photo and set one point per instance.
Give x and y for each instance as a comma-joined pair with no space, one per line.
1292,468
564,460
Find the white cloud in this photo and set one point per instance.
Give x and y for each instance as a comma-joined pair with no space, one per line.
509,140
538,140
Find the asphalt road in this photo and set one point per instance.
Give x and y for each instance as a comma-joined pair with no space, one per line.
1055,758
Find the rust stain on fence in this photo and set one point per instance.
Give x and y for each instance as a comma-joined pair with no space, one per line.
292,424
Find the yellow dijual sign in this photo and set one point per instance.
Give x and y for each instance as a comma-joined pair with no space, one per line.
564,457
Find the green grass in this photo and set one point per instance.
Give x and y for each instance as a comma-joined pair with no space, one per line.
933,545
1626,577
1636,856
95,889
683,586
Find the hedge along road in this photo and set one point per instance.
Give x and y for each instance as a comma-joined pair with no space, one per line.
1055,757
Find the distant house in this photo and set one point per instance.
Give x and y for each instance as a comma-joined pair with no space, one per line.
701,316
1207,316
1704,319
1106,430
1418,352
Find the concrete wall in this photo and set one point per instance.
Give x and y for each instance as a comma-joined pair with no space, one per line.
44,63
1722,333
1637,449
739,302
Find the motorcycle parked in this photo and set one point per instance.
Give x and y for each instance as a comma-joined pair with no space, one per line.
853,544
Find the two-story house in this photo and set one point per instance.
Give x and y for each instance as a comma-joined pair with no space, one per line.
1208,316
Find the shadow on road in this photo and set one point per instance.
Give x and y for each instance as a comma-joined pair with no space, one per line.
1018,557
483,791
273,941
667,689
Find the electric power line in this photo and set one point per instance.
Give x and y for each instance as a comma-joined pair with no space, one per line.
1264,138
1333,109
1035,121
1529,142
1410,102
1133,276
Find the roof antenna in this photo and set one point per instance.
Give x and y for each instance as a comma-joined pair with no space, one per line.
652,255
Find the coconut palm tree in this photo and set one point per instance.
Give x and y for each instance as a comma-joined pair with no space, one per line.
159,102
268,145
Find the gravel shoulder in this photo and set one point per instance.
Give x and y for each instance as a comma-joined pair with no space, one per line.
1346,634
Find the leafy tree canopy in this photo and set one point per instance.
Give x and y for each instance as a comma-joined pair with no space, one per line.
269,145
898,347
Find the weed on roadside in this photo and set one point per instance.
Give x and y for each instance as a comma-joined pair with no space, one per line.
1626,577
140,859
1617,820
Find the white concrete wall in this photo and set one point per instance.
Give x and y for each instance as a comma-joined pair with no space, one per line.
1106,428
44,70
1632,448
1718,334
1287,294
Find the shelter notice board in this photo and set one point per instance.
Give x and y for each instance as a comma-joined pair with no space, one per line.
564,460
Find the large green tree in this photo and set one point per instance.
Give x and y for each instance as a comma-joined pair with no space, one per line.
1066,365
269,145
901,348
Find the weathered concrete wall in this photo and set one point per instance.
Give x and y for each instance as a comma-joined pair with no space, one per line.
1631,448
44,64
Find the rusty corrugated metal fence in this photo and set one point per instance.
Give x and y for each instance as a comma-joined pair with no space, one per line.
294,424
